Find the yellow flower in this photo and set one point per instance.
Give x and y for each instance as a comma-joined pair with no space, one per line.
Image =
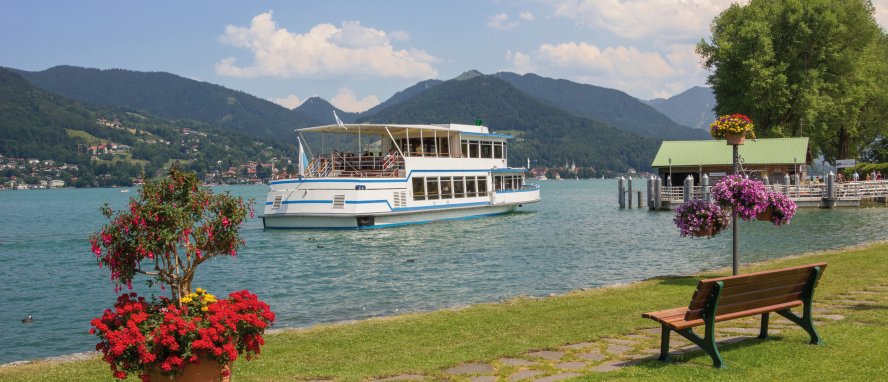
186,300
204,309
200,290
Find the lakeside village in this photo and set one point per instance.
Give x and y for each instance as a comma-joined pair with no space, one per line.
103,168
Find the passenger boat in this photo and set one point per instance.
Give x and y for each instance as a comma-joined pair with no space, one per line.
398,175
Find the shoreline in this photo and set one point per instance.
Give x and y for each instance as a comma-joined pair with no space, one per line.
82,356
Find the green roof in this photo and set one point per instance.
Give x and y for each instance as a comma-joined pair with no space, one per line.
712,152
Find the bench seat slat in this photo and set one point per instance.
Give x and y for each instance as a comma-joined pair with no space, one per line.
764,302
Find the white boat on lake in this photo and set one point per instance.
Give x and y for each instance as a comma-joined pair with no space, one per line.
403,174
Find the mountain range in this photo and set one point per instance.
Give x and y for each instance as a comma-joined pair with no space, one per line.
693,107
554,120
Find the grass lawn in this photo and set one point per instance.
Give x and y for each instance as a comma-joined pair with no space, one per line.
427,343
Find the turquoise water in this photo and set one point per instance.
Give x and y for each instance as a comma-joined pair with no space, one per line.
575,238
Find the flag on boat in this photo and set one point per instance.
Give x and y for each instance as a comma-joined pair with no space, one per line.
303,159
338,121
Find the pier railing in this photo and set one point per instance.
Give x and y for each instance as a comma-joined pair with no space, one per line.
805,194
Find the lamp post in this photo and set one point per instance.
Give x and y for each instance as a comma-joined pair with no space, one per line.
734,267
670,172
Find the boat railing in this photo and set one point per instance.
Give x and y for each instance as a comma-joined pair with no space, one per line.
351,165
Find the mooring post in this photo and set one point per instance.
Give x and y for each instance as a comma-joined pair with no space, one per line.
658,195
650,191
765,180
704,186
621,192
830,190
688,188
798,184
639,199
629,188
786,184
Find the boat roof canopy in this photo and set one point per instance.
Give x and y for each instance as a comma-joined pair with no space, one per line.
380,129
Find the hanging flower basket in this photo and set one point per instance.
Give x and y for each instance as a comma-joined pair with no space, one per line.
745,196
782,208
700,218
735,128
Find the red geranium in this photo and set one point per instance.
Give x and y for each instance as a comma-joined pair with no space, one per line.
174,225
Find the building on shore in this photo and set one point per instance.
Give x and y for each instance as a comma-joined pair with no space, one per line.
771,157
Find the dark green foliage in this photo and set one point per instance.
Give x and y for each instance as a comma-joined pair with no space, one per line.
33,124
803,68
610,106
693,107
548,134
862,169
169,96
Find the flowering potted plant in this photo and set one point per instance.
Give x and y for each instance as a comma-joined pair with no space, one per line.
700,218
170,228
780,209
735,128
746,196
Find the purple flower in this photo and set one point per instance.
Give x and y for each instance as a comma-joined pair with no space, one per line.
700,218
782,207
747,197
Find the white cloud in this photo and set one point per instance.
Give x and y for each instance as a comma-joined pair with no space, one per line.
290,102
347,101
645,19
501,21
324,51
881,12
526,16
644,74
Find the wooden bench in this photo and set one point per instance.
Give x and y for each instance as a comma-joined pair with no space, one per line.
727,298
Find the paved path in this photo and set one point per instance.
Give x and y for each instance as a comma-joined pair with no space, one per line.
614,353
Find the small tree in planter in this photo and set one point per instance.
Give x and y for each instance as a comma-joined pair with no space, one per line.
174,225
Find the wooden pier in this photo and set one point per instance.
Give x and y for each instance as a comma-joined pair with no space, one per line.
805,195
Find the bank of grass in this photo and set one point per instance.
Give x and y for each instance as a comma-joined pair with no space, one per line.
427,343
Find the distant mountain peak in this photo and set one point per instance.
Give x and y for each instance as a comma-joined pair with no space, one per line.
468,75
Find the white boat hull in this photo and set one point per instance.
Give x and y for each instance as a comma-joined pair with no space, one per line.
382,221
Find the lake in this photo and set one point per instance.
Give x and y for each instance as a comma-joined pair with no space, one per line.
576,237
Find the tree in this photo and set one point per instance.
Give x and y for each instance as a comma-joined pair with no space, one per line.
802,68
174,225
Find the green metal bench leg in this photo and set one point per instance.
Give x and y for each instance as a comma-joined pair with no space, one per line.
764,330
664,343
806,321
707,343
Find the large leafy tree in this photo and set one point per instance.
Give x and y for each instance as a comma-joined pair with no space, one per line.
803,68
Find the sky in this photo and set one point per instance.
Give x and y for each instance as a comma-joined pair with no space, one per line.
357,54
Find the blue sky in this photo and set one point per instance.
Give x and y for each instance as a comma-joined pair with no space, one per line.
359,53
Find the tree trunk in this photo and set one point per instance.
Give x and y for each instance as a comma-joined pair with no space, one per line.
844,149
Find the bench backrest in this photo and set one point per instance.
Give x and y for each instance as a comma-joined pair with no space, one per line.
754,290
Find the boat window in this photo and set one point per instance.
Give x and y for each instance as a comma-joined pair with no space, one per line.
508,185
519,182
459,187
474,149
486,149
419,188
432,188
482,186
498,150
446,189
471,191
444,146
498,183
465,149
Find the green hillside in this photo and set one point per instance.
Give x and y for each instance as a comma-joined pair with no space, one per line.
693,107
610,106
172,97
551,136
35,124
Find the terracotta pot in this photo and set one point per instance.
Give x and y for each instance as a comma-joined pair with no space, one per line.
206,370
766,215
735,139
704,232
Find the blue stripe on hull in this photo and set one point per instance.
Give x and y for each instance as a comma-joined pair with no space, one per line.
397,224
